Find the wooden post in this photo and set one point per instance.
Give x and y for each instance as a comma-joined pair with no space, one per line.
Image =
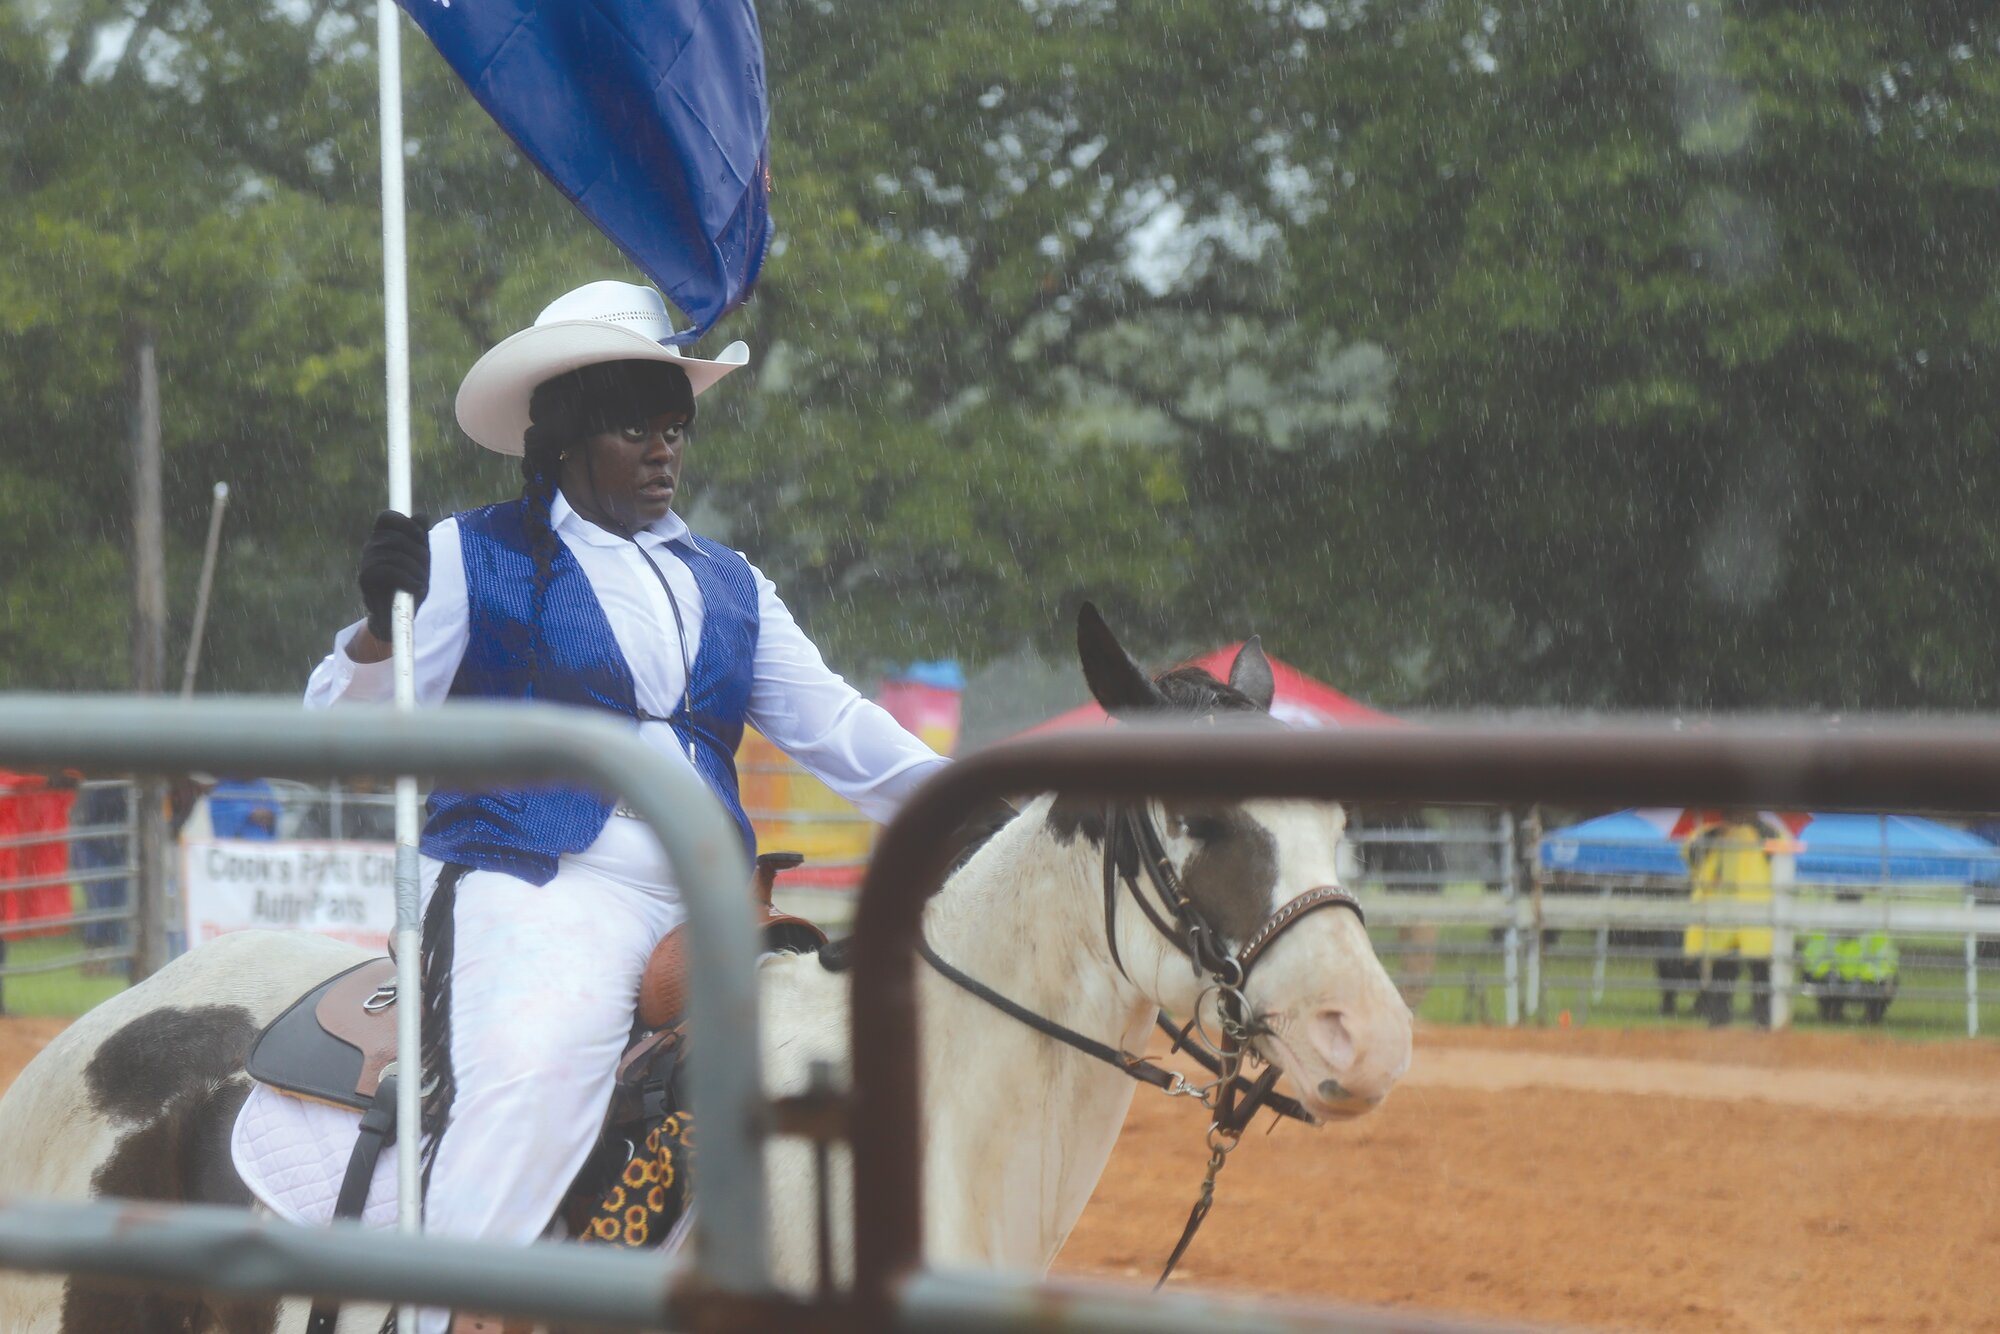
1533,999
1783,940
1971,973
149,650
192,662
1511,940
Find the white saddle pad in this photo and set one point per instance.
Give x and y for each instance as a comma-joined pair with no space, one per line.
292,1155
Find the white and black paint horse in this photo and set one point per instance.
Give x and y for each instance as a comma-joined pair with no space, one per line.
137,1099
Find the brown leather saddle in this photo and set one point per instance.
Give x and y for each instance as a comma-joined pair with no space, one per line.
334,1042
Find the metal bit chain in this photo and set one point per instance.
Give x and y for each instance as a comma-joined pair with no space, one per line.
1221,1143
1230,1004
1228,1053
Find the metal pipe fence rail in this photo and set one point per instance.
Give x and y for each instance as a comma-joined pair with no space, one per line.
85,877
334,812
1474,847
1954,767
480,744
67,835
101,859
1576,978
1661,886
232,1251
1946,926
599,1288
1469,853
1917,768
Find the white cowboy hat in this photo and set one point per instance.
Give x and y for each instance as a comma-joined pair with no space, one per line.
602,321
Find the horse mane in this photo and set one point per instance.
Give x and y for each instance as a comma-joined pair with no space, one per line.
1185,691
1195,690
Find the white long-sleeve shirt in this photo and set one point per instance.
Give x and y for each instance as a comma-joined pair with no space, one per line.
805,708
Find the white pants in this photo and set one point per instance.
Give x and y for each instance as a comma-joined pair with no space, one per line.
544,981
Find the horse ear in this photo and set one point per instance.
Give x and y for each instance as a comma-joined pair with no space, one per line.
1251,673
1115,680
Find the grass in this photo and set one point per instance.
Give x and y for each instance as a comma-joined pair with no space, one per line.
61,991
1467,986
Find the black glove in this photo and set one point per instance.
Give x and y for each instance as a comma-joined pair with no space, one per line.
396,558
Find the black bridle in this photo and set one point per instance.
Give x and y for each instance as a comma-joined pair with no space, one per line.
1132,847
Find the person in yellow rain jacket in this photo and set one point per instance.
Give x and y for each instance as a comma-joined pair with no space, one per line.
1730,861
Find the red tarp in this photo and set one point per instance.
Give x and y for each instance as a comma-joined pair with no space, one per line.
1300,701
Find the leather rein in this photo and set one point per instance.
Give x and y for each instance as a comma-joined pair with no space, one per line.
1132,848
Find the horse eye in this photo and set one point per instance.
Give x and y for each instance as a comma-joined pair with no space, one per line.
1203,828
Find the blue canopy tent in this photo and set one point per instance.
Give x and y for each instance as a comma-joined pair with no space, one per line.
1837,850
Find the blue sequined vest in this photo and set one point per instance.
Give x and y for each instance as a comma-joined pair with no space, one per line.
523,832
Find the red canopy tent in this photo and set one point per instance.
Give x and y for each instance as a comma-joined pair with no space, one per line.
1300,701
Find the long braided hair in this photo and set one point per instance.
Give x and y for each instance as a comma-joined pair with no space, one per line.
541,463
563,413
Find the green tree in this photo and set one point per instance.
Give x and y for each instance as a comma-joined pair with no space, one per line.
1624,354
217,178
1692,312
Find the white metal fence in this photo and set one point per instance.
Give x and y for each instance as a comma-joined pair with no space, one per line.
1460,906
89,862
1463,915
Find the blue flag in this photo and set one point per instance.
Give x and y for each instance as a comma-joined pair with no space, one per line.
650,114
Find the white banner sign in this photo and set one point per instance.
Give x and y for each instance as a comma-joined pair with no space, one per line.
343,890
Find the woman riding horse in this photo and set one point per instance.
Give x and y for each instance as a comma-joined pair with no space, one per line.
147,1096
543,904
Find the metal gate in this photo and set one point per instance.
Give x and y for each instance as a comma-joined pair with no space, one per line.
1947,769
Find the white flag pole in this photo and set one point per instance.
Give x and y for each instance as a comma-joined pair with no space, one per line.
396,348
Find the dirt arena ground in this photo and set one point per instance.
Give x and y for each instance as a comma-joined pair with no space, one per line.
1609,1180
1604,1180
